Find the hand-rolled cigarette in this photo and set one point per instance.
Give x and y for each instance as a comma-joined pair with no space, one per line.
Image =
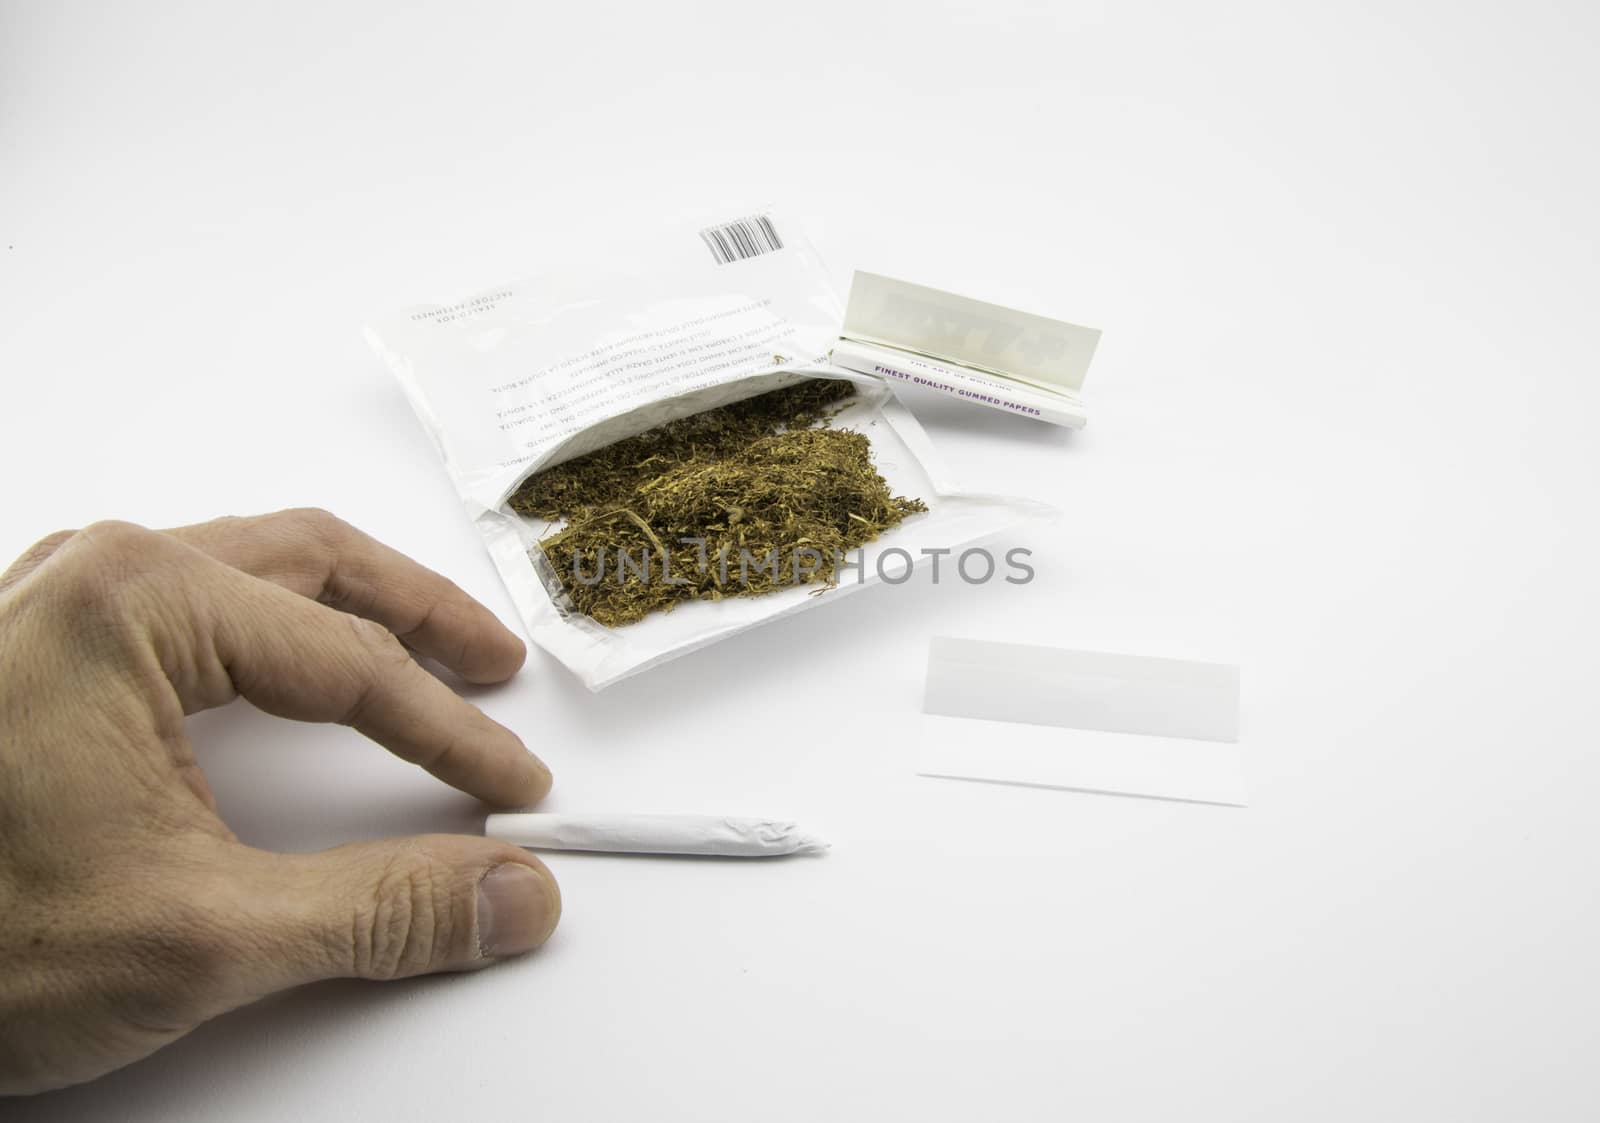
654,834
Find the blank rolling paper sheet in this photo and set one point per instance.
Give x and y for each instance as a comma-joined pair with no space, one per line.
1082,720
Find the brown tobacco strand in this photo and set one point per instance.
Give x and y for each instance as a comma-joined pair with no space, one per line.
757,479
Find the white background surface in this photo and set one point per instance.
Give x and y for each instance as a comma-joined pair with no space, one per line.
1342,432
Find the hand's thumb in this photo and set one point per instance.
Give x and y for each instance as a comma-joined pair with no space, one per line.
388,910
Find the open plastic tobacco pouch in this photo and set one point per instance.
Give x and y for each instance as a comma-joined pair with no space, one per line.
659,454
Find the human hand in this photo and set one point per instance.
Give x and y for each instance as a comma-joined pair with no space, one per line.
129,913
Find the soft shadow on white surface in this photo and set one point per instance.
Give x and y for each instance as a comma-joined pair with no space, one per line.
246,1054
290,786
239,1055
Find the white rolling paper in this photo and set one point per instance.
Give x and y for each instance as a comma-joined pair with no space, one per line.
1049,717
654,834
1082,689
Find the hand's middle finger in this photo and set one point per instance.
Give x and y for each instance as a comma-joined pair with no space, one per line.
312,553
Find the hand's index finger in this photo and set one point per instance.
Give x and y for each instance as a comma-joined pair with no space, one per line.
297,659
317,555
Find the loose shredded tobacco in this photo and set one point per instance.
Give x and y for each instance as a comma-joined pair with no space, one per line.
741,500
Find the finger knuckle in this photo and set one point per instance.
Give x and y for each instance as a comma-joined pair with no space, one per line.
226,526
114,538
35,556
406,926
377,656
379,643
100,562
322,524
52,542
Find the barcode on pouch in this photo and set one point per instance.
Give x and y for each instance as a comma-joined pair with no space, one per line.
735,241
